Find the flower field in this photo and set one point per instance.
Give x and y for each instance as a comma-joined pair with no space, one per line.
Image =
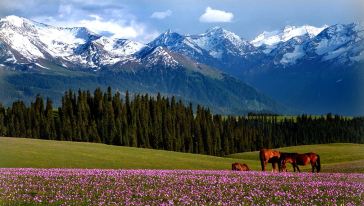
176,187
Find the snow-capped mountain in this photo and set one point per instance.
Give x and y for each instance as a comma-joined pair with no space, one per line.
216,47
269,39
179,44
30,41
214,43
27,41
339,43
34,40
316,73
38,58
294,65
279,63
218,42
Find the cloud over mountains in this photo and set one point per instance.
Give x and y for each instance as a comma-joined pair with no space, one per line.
213,16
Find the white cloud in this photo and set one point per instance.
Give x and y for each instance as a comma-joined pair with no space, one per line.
115,28
214,15
161,14
118,29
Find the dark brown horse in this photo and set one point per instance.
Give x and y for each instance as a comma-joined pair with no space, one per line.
288,158
269,156
239,167
300,159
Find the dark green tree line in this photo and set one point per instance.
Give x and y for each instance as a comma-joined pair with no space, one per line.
167,124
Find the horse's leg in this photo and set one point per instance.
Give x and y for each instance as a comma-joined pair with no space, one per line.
279,166
298,168
264,164
274,165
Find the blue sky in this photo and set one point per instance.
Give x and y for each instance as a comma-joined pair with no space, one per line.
143,20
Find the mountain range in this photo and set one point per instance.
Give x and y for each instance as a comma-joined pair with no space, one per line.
307,69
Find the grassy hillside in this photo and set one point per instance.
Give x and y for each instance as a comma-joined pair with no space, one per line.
19,152
334,157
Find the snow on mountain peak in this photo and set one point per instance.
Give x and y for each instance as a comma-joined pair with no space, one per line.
292,31
13,20
169,36
222,33
217,40
160,56
215,29
79,46
17,22
274,37
120,47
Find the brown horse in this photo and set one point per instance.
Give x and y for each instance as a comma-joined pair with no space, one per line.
288,158
269,156
301,159
239,167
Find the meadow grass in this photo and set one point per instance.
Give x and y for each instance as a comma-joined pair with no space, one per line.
22,152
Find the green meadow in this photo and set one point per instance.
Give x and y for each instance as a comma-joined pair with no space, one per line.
21,152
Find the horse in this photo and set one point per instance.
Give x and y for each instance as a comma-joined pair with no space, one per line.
301,159
239,167
269,156
288,158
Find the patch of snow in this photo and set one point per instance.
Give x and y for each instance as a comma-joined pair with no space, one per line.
160,55
335,53
275,37
11,59
14,20
59,42
124,48
330,44
216,54
267,38
291,31
291,58
21,44
193,46
41,66
359,57
212,41
202,42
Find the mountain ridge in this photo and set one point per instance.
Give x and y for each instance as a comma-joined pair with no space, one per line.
86,60
299,57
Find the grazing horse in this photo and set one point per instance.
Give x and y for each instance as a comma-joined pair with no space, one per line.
301,159
239,167
269,156
288,158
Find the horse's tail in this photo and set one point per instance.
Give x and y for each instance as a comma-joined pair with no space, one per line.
318,164
261,157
